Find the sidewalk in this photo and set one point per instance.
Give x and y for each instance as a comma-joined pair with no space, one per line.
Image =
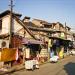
12,69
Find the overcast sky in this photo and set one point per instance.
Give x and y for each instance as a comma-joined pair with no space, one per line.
49,10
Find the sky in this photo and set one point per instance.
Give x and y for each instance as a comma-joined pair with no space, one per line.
49,10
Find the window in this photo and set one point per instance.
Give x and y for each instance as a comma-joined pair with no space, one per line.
0,24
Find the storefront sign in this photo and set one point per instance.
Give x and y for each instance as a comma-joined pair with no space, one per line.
27,53
62,35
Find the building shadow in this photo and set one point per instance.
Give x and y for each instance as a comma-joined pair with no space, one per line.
70,68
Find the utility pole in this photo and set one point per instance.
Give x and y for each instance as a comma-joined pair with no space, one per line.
67,49
65,31
11,23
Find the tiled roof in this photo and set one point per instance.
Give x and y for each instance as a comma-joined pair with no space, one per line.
7,12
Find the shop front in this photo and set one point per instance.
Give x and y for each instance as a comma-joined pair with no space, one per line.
59,47
32,48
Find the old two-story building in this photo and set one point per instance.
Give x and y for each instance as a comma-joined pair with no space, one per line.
41,33
42,30
51,33
62,38
22,38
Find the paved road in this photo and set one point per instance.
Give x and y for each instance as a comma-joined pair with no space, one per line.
65,66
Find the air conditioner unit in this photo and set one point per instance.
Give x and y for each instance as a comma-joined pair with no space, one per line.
4,43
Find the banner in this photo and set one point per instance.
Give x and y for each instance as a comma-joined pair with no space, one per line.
9,54
27,53
49,43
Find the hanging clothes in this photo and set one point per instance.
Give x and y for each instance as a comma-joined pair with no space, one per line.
61,53
52,54
8,54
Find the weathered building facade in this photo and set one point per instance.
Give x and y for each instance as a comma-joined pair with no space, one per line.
38,35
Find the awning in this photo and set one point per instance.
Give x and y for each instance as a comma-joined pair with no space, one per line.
31,41
59,38
2,36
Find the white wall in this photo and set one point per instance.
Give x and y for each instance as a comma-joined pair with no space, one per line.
5,25
17,26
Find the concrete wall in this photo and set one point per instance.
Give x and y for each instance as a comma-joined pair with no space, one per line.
5,25
17,28
37,23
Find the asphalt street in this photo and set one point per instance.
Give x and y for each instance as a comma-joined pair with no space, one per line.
64,66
